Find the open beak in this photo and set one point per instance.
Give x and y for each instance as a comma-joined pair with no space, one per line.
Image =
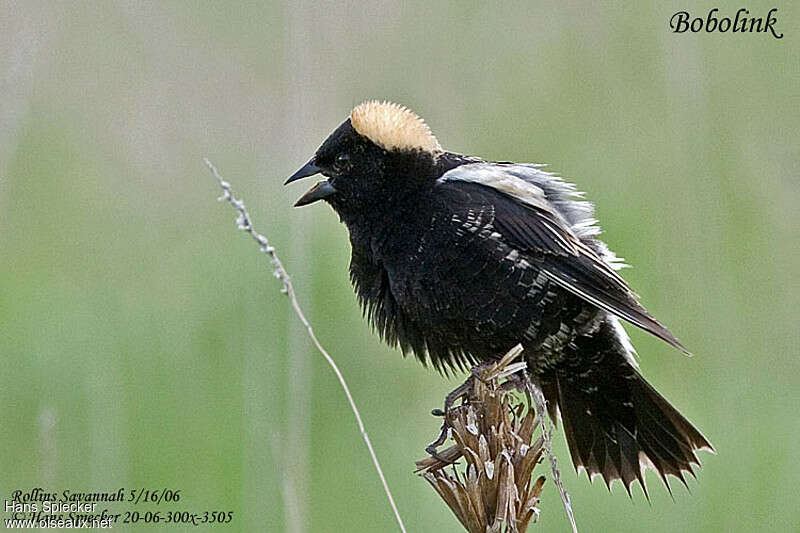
321,190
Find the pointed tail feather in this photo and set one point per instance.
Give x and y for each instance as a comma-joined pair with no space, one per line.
615,422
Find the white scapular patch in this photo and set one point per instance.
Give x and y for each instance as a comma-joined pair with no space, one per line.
498,178
393,127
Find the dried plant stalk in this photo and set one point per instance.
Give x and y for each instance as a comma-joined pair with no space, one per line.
245,224
493,489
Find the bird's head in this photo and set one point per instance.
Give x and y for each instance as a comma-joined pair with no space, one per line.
382,152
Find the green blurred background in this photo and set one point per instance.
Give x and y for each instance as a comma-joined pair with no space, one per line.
145,343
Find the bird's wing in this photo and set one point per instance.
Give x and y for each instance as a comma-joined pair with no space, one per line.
529,220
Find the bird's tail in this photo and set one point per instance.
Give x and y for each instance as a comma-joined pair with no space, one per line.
616,423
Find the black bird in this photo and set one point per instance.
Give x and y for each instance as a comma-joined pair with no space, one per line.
458,259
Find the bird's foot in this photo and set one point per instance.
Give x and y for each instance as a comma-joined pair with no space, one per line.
433,448
462,391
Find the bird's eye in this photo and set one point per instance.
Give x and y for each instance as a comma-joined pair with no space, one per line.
342,161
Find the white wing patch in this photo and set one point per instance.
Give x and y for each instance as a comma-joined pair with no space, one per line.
496,177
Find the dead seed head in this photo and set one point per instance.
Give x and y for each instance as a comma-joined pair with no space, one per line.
491,486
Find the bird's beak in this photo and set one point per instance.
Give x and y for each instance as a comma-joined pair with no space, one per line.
309,169
321,190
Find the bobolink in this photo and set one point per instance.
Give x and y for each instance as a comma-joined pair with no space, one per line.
458,259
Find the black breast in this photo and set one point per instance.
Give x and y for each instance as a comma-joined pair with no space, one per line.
441,282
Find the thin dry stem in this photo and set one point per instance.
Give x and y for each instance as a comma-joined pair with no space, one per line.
245,224
541,407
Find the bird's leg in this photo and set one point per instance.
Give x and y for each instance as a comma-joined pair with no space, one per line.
433,448
517,381
459,392
462,391
476,372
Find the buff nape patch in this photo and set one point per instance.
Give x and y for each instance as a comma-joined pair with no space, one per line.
393,127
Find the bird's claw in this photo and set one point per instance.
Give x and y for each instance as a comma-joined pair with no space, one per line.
432,449
462,391
434,452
